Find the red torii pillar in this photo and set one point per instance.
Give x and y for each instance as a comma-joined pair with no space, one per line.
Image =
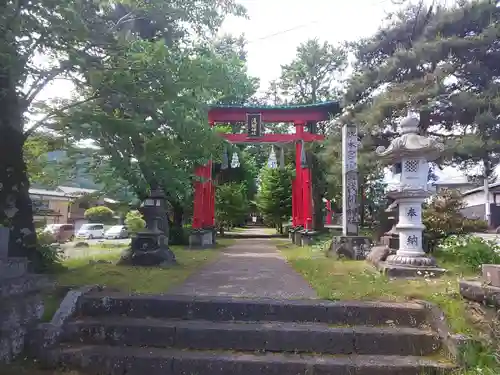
301,186
204,198
328,207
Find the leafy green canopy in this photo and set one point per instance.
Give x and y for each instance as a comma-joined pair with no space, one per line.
116,54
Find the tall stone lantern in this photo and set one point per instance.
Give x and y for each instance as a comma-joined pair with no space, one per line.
413,152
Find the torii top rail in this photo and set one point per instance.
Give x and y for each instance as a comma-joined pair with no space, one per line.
254,116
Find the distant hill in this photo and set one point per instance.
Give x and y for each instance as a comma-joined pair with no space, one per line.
80,179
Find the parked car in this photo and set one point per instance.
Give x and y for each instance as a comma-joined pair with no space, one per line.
116,231
90,231
61,232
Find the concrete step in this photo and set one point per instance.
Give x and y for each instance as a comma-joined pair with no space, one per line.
114,360
244,309
13,267
248,336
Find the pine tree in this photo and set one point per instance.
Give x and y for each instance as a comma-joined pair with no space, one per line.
274,198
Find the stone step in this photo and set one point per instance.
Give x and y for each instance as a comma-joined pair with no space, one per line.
22,285
247,336
12,267
114,360
244,309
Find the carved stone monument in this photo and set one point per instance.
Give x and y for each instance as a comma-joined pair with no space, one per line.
414,152
150,247
350,244
21,300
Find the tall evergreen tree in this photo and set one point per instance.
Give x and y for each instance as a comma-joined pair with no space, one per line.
442,62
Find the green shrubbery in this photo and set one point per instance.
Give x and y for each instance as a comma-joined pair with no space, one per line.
134,222
469,251
442,218
49,254
99,214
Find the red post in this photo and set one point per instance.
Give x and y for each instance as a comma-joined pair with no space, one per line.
304,181
328,206
299,207
307,197
198,199
294,202
204,194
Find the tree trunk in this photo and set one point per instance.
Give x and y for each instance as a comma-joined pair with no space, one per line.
176,232
317,190
178,215
15,204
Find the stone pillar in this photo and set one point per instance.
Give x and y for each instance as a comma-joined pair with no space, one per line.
350,212
350,244
413,176
4,242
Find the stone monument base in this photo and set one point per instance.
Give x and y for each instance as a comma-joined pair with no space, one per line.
148,249
306,237
351,247
202,239
390,240
21,304
379,254
294,235
485,290
404,271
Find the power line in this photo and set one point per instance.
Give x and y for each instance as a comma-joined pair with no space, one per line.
305,25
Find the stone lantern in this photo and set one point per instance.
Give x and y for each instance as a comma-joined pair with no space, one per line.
413,152
150,246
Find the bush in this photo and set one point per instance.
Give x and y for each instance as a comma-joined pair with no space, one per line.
178,236
470,251
443,218
134,222
49,254
99,214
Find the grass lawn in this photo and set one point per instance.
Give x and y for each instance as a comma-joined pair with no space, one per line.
78,271
335,279
81,271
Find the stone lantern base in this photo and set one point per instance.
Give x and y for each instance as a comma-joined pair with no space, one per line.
148,248
351,247
403,266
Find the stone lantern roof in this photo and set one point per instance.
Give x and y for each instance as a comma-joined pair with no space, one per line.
410,144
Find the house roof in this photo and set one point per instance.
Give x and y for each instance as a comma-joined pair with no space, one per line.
480,188
48,193
456,180
68,192
74,191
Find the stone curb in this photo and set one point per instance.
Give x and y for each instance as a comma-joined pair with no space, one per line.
46,335
452,343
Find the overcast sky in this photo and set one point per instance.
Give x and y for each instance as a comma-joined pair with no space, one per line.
276,27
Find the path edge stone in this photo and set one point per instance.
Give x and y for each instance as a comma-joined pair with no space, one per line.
453,343
47,335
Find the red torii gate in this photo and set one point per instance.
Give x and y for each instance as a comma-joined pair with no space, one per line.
301,116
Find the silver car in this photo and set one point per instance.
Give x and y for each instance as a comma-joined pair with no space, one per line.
116,232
